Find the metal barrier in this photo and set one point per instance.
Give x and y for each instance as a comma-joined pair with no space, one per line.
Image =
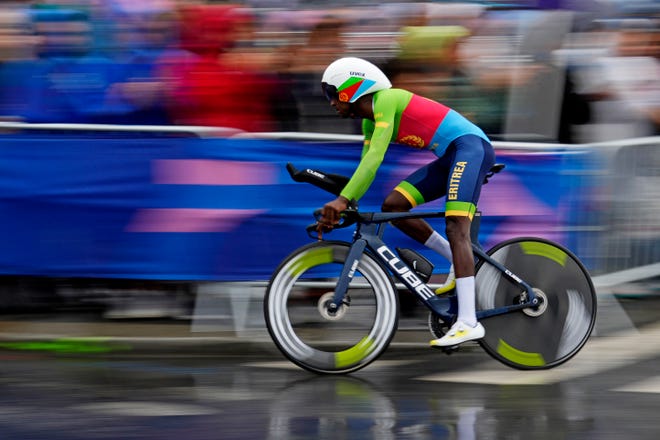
164,129
630,204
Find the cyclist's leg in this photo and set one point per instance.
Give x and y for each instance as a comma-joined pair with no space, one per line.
424,185
472,158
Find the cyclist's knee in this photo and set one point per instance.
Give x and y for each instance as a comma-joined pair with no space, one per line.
395,202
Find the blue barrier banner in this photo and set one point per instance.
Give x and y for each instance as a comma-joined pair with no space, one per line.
176,208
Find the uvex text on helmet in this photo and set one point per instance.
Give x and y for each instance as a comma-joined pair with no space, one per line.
354,78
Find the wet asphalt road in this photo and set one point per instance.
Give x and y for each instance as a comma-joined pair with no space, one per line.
610,390
218,398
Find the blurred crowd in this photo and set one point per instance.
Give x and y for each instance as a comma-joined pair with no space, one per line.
566,71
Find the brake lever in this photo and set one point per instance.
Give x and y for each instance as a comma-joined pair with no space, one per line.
320,228
316,230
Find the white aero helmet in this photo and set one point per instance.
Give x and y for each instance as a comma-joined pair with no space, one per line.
348,79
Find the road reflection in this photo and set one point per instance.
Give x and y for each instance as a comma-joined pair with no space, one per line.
228,398
351,408
334,408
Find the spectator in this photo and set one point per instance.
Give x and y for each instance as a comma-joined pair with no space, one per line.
633,76
427,63
146,40
519,81
72,81
267,66
19,70
325,41
211,85
623,84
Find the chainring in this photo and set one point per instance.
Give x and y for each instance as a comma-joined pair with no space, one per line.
437,326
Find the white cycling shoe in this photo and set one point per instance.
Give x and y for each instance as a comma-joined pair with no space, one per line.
458,333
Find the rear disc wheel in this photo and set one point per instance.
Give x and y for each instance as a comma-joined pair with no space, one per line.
551,333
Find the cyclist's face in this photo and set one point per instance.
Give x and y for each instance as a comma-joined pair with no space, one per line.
344,109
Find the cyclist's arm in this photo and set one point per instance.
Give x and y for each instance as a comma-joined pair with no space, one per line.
378,134
367,131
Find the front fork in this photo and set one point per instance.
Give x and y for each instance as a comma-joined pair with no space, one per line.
347,274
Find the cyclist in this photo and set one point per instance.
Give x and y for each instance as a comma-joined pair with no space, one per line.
357,88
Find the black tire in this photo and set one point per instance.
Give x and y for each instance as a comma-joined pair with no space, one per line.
548,336
325,344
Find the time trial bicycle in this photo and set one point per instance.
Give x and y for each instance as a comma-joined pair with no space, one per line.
332,306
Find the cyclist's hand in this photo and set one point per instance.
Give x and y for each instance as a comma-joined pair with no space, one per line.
332,210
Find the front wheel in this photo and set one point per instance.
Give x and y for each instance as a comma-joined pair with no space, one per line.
300,324
550,334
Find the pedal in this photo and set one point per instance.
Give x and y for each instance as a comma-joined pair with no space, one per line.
447,350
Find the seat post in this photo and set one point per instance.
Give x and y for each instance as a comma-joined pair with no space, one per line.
474,228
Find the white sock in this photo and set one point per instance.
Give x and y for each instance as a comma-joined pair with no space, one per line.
439,244
466,300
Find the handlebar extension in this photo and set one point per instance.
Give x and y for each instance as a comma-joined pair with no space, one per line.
333,183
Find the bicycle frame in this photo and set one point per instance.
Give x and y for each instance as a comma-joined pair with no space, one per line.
369,235
558,316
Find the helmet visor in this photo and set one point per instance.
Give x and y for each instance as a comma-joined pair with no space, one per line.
330,92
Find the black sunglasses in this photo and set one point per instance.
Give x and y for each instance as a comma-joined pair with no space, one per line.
330,92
